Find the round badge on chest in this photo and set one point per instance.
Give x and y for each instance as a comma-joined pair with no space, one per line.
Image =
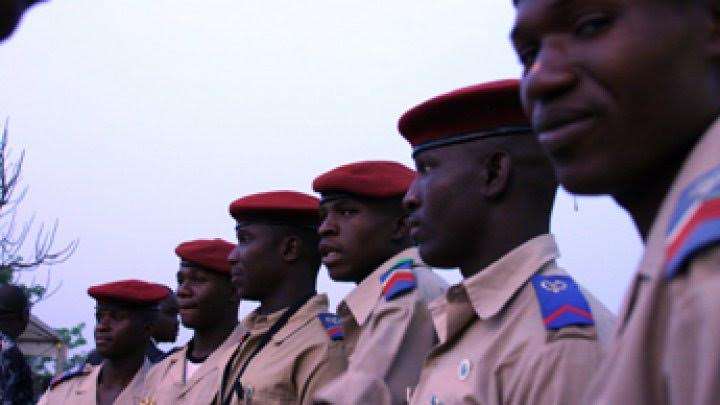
464,369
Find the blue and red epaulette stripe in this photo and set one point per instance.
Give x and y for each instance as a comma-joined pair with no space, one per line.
561,302
332,325
695,224
399,279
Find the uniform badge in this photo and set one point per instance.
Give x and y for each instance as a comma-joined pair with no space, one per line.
434,400
332,325
398,280
147,401
695,223
464,369
561,302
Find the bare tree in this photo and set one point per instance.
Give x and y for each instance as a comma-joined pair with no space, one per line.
15,256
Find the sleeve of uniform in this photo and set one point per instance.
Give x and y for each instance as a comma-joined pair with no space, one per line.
557,374
388,357
693,360
318,367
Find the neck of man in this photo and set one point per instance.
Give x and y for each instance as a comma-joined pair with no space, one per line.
642,199
288,293
206,341
393,249
507,236
121,371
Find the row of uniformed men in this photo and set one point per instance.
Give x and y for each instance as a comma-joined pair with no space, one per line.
517,330
624,97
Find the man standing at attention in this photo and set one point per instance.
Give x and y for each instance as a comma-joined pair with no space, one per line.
292,345
625,97
517,329
125,314
209,306
364,238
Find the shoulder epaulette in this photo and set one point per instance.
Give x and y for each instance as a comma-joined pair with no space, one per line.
68,375
399,279
695,223
332,325
561,302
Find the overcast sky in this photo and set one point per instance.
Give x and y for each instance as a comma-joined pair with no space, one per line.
142,120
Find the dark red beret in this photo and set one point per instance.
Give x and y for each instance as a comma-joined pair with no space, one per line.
375,179
211,254
488,109
281,207
134,292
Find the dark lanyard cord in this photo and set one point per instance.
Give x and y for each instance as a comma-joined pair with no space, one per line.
266,337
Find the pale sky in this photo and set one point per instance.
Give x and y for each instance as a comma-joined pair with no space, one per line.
142,120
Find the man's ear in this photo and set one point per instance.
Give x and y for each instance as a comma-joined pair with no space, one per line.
402,228
496,171
291,247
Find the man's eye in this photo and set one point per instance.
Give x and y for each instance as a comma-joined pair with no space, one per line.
590,26
347,212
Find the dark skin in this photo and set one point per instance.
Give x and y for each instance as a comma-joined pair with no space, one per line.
619,91
357,235
121,335
14,310
474,202
166,327
208,305
11,12
273,264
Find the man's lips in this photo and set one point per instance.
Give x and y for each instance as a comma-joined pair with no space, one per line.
330,253
557,128
102,339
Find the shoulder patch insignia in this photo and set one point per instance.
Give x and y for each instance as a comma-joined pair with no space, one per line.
695,223
399,279
561,302
68,375
332,326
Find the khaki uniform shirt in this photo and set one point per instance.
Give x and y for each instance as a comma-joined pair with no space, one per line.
387,339
299,359
166,382
82,388
494,347
667,347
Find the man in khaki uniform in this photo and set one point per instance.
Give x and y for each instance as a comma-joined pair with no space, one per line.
208,305
365,239
125,314
626,102
292,345
517,330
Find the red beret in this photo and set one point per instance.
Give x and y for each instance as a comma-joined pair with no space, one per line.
135,292
469,113
211,254
280,207
376,179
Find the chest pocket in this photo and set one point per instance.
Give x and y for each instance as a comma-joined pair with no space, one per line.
271,396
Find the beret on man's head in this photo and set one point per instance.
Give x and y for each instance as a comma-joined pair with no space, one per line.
277,207
465,114
210,254
131,292
373,179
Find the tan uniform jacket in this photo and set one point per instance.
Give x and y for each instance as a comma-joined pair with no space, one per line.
166,382
667,347
299,359
387,339
82,389
494,347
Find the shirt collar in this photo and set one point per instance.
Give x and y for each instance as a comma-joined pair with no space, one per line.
491,289
362,299
316,305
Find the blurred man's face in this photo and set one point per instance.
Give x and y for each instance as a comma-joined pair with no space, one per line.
616,89
166,327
